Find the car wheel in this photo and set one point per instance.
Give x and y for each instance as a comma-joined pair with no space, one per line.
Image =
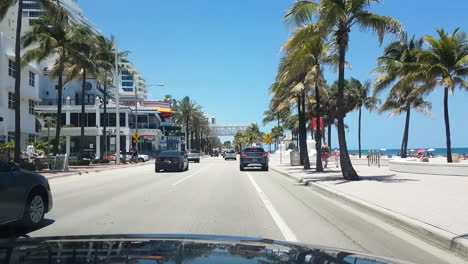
157,170
141,160
265,168
242,168
35,209
186,169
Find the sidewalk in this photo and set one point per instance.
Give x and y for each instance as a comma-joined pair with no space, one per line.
433,207
79,170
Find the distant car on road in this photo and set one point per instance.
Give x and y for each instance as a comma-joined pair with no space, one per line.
230,154
24,196
214,154
254,157
171,160
193,155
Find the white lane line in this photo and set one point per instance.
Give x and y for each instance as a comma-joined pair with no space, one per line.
186,178
284,228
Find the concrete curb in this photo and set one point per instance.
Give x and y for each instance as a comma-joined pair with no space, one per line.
78,173
429,233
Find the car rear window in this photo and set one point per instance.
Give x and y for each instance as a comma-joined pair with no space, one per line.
254,150
169,154
193,151
231,151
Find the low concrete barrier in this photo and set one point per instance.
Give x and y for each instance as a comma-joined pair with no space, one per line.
434,168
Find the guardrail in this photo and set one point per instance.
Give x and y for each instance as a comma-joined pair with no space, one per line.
373,158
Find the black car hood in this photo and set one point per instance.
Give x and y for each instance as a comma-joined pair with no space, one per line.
192,249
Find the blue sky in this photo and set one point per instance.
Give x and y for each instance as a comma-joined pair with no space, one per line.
224,55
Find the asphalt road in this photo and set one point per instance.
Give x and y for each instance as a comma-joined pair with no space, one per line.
214,197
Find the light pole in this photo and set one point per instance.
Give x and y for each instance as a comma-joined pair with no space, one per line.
117,99
48,119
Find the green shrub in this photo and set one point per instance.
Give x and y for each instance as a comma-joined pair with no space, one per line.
75,162
102,161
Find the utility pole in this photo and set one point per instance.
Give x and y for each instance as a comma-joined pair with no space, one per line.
117,99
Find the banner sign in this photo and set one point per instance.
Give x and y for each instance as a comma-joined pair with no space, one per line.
314,124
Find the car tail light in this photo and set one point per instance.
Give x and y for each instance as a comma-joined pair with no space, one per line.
158,159
245,155
175,159
265,155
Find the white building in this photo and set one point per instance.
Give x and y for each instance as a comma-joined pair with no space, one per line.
30,86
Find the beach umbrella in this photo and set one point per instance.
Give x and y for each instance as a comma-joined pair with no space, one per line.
431,150
421,151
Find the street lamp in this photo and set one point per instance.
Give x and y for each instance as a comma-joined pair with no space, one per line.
117,99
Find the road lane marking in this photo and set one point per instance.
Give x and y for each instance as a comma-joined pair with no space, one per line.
283,227
186,178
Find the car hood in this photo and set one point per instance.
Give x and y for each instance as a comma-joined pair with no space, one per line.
172,249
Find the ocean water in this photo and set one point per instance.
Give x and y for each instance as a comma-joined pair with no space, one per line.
437,152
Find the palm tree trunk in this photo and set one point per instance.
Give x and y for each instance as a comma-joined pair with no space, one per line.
359,130
329,135
447,127
406,134
318,133
19,21
187,134
59,114
346,166
104,129
303,133
83,114
299,113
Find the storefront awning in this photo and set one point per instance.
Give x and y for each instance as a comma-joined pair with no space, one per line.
148,112
164,110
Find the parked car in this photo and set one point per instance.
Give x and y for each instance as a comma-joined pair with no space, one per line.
214,154
143,158
254,157
128,157
230,154
171,160
193,155
25,196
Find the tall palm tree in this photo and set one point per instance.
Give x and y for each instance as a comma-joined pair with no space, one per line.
85,60
337,18
369,102
444,64
5,5
315,51
185,109
394,68
402,101
51,35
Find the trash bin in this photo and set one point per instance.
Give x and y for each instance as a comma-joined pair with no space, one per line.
295,158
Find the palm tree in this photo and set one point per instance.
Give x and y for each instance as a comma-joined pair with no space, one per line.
314,49
185,109
444,64
253,134
4,7
369,102
51,35
85,60
337,18
402,101
394,68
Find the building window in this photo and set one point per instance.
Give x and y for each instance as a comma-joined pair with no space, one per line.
35,13
32,105
32,79
11,68
127,89
127,84
127,78
31,6
11,100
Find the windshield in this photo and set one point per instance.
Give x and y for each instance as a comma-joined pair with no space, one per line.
336,123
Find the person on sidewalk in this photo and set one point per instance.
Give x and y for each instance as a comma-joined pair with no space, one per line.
336,155
135,155
325,155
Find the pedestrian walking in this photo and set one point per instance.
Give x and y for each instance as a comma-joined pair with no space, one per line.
325,155
336,155
135,155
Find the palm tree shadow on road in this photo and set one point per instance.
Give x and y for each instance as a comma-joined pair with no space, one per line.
17,231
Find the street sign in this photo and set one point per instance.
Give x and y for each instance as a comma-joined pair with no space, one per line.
136,136
314,124
268,138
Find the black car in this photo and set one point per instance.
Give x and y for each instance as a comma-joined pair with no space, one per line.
171,160
215,154
167,248
24,196
254,157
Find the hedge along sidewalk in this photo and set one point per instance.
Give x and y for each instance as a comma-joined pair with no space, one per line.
432,207
93,168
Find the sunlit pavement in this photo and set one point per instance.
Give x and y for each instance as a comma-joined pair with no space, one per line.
214,197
